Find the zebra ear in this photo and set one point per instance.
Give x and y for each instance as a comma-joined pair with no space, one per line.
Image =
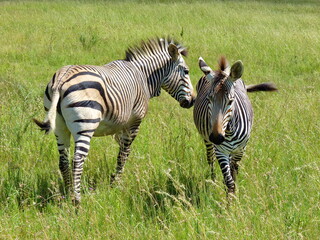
204,67
236,70
173,51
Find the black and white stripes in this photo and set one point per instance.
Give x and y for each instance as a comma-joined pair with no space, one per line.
223,116
86,101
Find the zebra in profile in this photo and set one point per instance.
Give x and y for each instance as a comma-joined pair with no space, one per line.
223,116
86,101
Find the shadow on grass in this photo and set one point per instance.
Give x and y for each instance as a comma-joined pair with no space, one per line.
24,190
174,189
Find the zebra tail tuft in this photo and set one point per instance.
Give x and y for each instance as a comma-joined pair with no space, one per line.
45,126
49,124
266,87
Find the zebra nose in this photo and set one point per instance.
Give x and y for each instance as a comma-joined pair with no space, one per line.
218,139
186,103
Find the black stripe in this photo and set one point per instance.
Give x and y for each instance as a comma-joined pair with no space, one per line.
53,78
85,131
85,85
83,141
59,107
87,103
49,98
47,93
88,120
83,149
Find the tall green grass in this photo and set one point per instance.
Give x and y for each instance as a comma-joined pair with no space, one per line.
166,191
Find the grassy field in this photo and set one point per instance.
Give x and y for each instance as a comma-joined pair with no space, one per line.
166,191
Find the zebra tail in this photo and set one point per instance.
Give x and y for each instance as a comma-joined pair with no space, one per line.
49,123
45,126
266,87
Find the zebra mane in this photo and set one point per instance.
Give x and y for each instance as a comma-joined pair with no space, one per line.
151,47
219,79
221,74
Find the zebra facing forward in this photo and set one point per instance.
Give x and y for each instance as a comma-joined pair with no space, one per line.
223,116
86,101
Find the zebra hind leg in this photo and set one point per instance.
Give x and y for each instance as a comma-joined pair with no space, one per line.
82,123
125,140
63,141
81,149
82,145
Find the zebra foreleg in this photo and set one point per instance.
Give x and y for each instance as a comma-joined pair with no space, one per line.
210,158
125,140
234,167
224,163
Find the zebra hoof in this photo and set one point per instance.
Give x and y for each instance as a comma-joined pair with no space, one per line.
114,179
76,202
213,177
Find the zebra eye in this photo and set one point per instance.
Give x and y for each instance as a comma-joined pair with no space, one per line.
186,71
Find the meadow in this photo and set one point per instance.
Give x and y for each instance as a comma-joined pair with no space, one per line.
166,191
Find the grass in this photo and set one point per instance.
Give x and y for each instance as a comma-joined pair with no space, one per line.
165,192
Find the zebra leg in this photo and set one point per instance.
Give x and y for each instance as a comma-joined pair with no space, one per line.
82,123
224,162
210,158
235,158
63,140
82,145
125,140
81,149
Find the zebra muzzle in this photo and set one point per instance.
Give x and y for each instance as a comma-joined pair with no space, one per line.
187,103
216,139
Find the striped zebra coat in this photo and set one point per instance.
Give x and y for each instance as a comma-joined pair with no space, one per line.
86,101
223,116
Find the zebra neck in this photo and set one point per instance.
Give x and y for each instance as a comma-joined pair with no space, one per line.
152,76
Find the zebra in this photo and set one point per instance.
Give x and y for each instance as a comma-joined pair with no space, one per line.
223,116
86,101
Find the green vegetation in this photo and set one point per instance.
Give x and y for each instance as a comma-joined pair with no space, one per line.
166,192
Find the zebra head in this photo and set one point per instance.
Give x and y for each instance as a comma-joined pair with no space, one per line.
176,79
221,95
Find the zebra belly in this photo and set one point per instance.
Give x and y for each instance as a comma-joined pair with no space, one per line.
107,127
